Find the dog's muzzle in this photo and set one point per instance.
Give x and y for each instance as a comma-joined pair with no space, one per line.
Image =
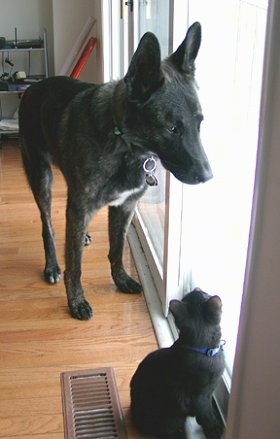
204,176
195,174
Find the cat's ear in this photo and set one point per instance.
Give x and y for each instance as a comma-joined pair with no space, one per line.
178,310
213,309
144,74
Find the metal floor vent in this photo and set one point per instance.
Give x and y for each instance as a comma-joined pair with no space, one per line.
91,406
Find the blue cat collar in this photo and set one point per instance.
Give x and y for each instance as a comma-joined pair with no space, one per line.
209,352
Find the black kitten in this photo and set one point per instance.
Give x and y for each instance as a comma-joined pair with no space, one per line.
173,383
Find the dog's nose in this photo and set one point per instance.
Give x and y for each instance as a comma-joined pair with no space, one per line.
205,175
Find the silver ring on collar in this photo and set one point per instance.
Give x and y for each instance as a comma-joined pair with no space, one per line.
150,165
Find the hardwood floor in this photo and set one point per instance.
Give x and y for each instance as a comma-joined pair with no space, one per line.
38,338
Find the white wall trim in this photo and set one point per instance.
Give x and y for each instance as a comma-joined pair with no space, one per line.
255,395
161,327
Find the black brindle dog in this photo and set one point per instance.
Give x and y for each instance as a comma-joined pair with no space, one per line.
105,139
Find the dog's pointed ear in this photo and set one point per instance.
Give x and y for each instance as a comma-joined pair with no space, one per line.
144,74
185,55
213,309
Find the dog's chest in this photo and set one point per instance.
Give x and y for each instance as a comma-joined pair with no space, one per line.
120,198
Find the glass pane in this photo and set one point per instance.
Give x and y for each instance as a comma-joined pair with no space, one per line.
151,208
217,215
154,17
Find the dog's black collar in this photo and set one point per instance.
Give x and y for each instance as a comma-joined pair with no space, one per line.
130,139
209,352
150,163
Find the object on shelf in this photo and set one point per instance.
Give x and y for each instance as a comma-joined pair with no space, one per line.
3,85
20,86
19,76
25,44
2,42
21,44
9,124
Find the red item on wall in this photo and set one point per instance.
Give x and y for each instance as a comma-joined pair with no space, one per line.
83,58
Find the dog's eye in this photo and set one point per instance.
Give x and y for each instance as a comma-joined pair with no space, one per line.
173,129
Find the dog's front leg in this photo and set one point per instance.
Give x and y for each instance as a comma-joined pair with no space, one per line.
76,225
119,221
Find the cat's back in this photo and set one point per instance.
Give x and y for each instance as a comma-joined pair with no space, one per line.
156,366
156,371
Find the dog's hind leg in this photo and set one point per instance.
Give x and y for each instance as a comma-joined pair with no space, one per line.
119,221
39,175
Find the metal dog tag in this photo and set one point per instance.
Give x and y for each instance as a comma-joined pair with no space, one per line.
149,167
151,180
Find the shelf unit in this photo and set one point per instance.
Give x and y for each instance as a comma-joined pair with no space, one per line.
10,127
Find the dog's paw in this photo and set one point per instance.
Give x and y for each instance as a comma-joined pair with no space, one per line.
81,310
128,285
52,274
124,282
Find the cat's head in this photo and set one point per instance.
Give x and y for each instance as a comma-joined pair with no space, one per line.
198,317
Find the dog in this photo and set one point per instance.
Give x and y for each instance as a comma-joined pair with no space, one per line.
106,140
173,383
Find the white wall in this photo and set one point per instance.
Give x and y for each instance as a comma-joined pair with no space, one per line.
69,17
29,16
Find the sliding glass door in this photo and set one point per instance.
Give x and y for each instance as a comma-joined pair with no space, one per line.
198,235
217,215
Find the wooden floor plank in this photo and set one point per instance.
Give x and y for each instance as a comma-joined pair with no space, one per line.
38,338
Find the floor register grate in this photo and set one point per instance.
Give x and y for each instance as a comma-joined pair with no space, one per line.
91,405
